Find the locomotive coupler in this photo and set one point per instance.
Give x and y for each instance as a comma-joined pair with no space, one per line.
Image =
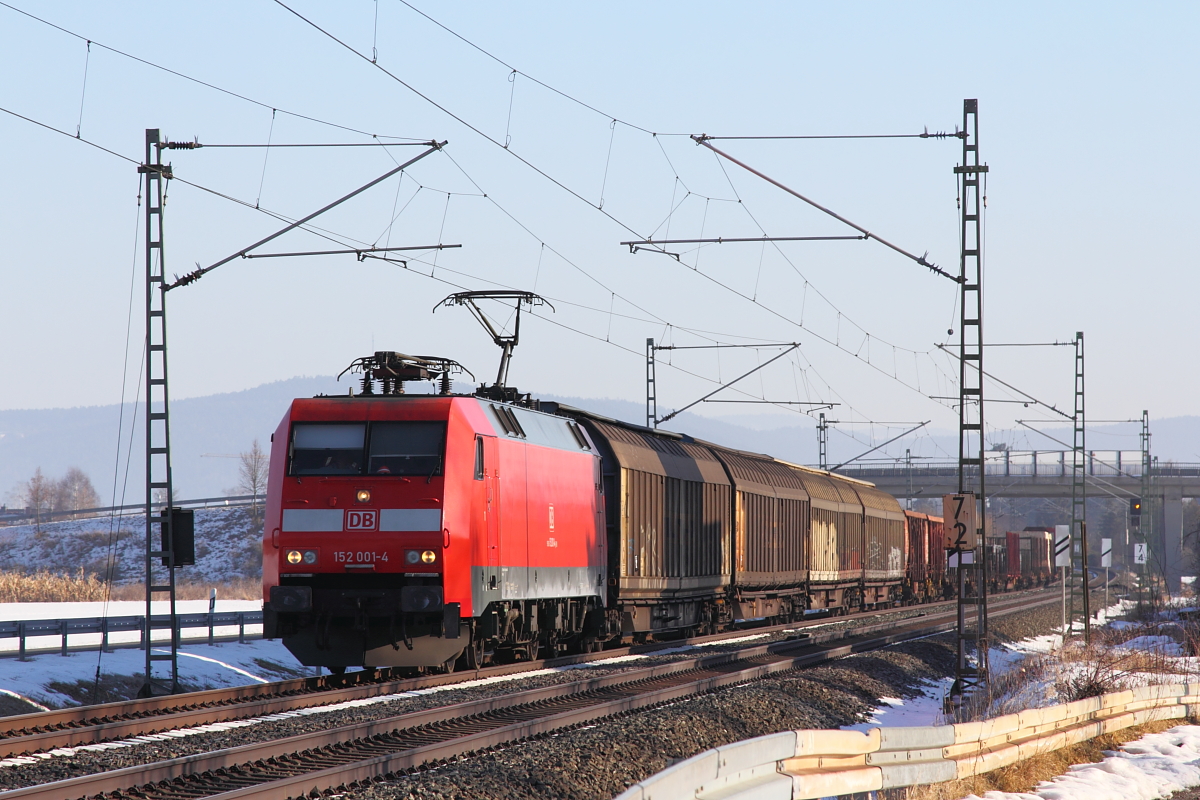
324,620
360,614
403,633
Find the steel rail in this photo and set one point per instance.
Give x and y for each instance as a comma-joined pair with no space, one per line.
70,727
77,716
326,759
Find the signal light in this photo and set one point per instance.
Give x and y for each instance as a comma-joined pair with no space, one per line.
1135,506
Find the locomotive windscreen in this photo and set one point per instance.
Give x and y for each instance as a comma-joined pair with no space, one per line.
396,448
327,449
407,448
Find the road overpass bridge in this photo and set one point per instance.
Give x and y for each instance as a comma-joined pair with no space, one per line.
1047,474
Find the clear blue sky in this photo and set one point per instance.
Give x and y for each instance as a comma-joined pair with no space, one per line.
1087,112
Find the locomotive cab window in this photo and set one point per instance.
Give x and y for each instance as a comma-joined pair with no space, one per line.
407,448
327,449
478,458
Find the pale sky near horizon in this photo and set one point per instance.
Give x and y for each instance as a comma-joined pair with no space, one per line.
1085,114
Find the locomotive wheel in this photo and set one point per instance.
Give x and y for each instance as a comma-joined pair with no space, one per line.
472,657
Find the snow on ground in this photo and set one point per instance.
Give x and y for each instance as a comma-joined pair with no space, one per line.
910,712
201,666
1038,689
1157,765
228,546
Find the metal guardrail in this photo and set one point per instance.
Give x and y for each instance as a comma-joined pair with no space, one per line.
23,630
802,765
19,516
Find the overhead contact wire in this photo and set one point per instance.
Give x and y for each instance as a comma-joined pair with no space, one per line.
198,81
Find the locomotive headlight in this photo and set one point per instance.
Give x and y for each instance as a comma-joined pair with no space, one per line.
363,496
310,556
295,556
412,556
428,557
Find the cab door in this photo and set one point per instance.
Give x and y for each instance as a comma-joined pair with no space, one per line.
491,479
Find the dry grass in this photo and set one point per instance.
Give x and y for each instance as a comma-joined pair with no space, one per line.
235,589
1025,775
1077,671
48,587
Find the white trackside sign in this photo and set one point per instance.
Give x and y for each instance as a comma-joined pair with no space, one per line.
1106,553
1062,545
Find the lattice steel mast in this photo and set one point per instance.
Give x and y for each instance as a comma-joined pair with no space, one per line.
1145,519
651,387
1080,597
160,581
972,566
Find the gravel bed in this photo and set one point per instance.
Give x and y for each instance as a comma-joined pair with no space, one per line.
84,762
601,761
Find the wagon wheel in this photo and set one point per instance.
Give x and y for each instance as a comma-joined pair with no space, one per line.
531,649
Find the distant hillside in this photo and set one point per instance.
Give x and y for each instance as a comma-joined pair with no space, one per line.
206,428
58,438
228,547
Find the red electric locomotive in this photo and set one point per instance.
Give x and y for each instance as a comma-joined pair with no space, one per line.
388,535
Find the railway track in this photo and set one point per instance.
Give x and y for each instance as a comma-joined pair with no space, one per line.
367,751
84,725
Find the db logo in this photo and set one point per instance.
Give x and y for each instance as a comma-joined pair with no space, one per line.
362,520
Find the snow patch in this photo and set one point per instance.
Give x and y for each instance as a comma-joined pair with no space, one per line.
1155,766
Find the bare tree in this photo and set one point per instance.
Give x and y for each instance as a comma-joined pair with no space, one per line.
74,491
252,476
37,494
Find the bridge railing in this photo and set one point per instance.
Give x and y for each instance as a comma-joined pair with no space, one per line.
1047,465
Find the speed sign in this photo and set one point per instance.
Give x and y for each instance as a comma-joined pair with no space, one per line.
959,513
